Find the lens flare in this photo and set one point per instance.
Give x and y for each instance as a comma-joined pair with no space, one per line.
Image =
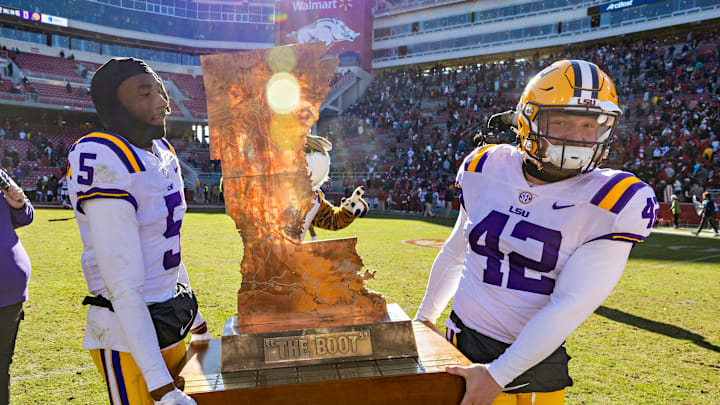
283,93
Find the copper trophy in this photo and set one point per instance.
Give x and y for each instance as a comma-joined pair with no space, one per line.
307,327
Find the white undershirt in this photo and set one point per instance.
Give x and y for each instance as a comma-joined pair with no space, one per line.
587,278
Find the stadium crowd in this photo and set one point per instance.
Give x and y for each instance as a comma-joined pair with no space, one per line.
406,136
421,122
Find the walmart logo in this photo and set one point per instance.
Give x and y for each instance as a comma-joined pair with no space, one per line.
345,4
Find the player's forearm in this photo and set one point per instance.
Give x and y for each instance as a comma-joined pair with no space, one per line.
116,243
445,273
589,276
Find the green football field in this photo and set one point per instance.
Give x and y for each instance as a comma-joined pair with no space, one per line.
656,340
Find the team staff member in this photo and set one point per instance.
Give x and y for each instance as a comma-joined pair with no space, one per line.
15,211
708,214
541,239
127,194
676,210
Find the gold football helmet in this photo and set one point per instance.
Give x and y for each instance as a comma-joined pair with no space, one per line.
550,101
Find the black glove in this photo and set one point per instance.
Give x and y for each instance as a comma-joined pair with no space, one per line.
499,129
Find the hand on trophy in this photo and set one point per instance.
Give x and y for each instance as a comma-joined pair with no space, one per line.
176,397
480,387
433,327
355,203
200,333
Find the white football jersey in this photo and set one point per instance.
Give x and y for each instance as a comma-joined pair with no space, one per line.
105,165
519,237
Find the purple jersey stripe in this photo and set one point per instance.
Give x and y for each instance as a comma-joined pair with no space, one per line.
114,148
626,196
470,157
97,192
460,195
119,379
129,146
480,164
107,381
607,187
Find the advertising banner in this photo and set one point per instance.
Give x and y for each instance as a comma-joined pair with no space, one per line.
345,26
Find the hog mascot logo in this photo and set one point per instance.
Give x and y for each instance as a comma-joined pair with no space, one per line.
328,30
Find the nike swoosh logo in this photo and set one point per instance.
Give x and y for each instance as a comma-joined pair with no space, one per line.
184,328
515,387
559,207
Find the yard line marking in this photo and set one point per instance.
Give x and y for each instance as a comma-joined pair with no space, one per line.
50,373
674,263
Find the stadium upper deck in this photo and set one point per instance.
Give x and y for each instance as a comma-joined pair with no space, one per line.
200,20
407,32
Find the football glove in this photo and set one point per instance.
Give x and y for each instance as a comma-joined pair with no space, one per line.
175,397
200,336
355,203
499,129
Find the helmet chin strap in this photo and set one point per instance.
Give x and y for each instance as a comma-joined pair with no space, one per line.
537,171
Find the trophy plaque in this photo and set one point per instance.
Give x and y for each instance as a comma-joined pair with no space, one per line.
307,330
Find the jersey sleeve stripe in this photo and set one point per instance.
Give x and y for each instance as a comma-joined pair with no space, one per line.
626,196
624,237
320,195
120,146
475,164
97,192
617,193
607,187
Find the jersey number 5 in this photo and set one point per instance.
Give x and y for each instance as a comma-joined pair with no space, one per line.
492,226
172,201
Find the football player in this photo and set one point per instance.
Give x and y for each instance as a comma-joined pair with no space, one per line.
127,194
542,238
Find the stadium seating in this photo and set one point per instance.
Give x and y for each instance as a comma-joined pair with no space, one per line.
48,67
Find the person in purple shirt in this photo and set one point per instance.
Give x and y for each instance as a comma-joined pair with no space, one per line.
15,211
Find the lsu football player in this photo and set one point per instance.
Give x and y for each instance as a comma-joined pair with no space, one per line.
127,194
323,214
542,238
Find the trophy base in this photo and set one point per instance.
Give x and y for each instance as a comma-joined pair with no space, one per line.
329,343
420,380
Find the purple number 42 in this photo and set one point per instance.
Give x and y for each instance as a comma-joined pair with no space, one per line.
650,212
492,226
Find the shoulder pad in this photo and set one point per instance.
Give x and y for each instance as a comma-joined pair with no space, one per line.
617,192
118,145
475,161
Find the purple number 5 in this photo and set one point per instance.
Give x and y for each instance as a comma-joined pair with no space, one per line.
493,225
172,201
88,178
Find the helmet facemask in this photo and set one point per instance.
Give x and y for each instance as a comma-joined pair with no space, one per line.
568,139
